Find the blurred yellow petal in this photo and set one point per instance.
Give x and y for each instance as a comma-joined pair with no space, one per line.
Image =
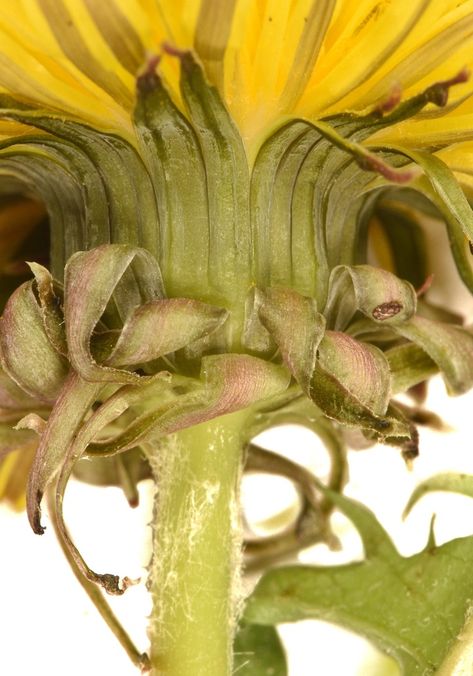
14,469
459,155
381,251
9,129
459,158
18,218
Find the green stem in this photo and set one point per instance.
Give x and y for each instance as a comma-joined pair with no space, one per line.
194,579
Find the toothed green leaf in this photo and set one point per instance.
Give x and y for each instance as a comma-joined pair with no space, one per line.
258,652
449,482
411,608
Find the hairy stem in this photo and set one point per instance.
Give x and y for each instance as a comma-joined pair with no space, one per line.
194,579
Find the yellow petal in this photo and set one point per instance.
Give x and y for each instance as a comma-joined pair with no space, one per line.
211,35
14,469
270,54
394,43
40,74
437,49
434,130
75,57
270,58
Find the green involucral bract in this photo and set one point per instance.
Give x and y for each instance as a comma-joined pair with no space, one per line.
195,296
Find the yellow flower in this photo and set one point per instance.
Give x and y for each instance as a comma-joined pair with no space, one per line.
269,58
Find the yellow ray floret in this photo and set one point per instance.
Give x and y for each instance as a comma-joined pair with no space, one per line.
269,58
